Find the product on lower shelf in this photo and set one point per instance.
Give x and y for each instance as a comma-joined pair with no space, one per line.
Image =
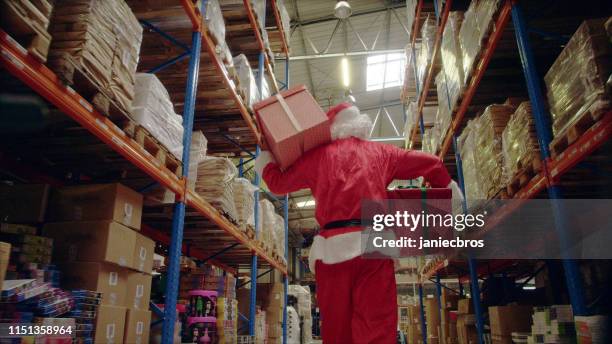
244,200
576,82
553,324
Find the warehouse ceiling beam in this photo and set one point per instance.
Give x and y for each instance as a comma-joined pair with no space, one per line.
354,14
303,38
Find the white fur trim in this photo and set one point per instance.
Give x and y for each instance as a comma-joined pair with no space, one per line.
342,247
350,122
263,159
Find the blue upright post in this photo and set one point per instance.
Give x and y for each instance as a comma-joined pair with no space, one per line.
423,326
474,287
241,168
253,296
542,120
178,220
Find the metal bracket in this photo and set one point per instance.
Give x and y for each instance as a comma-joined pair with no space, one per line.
220,252
232,141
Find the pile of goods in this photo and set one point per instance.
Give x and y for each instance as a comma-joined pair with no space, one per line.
215,184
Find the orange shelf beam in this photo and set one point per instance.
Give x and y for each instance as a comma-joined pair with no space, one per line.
281,29
193,13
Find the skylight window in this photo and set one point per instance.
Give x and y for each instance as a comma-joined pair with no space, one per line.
384,71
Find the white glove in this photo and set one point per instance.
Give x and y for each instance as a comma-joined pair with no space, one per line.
456,190
263,159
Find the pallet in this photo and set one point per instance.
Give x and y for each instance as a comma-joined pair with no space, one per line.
81,80
250,232
151,145
572,133
26,25
531,166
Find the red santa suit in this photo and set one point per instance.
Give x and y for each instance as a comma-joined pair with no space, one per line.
356,296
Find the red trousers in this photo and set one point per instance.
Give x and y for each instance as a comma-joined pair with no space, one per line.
358,301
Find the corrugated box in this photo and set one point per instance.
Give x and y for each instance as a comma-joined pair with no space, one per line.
110,324
97,202
144,250
137,326
92,241
465,306
23,202
108,279
507,319
138,290
293,123
5,253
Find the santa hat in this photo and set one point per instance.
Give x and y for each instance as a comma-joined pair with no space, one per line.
331,114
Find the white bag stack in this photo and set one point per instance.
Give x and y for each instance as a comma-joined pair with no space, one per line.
304,307
247,83
153,110
267,234
214,21
279,235
452,65
425,54
215,184
197,154
244,201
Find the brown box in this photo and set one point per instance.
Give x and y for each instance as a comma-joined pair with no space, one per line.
432,316
293,123
507,319
25,203
108,279
501,339
110,324
465,306
138,290
5,253
97,202
137,327
92,241
144,249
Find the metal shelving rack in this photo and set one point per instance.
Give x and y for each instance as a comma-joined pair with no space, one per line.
548,179
44,82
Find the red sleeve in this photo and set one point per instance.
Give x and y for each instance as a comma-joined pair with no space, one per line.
410,164
294,178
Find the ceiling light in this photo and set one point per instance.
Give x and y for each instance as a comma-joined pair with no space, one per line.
346,78
342,10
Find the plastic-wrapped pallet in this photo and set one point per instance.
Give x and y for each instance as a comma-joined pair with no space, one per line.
443,113
410,12
452,59
476,26
214,21
467,146
153,110
304,308
427,141
279,229
425,54
244,200
267,233
519,141
268,48
411,120
488,145
259,8
106,44
246,80
214,184
576,82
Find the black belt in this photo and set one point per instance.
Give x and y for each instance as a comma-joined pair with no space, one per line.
343,223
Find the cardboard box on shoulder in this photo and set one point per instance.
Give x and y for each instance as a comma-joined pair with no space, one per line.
92,241
97,202
137,326
23,203
110,324
138,290
293,123
144,250
507,319
108,279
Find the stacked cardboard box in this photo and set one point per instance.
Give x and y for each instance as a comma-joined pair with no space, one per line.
99,249
505,320
101,37
519,141
274,311
466,321
576,82
244,201
26,22
554,324
214,183
595,329
432,319
448,320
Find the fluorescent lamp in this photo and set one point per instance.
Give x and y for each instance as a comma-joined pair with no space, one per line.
304,204
529,287
342,10
346,78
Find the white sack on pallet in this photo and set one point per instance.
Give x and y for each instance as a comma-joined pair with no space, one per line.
244,201
443,114
411,119
476,26
425,54
153,109
279,229
214,184
246,80
214,21
452,65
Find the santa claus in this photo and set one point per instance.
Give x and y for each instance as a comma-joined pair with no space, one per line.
356,296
